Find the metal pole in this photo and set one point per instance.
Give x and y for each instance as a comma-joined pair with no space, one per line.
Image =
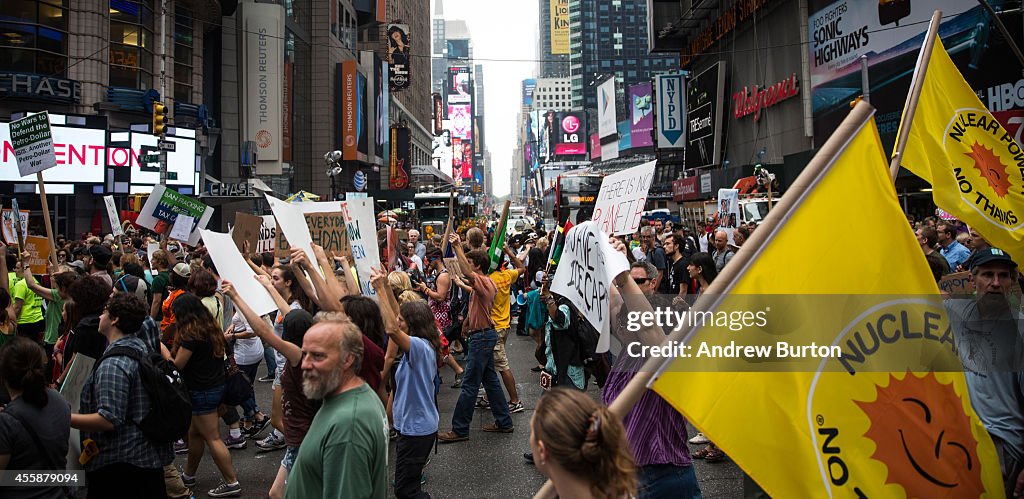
865,89
162,37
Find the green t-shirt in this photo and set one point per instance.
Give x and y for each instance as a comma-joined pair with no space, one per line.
32,309
53,310
345,453
160,282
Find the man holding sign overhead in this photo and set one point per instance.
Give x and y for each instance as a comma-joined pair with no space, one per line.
479,328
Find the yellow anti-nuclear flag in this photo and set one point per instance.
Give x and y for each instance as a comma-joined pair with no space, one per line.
878,421
975,166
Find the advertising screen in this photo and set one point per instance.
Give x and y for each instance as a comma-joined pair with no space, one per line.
641,115
461,119
458,49
460,86
704,117
571,134
82,154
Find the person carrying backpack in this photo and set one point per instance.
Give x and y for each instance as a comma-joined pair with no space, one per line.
120,461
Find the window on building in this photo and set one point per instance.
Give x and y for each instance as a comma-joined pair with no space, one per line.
34,36
183,45
131,43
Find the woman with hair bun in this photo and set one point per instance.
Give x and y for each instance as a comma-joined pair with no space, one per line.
36,424
581,446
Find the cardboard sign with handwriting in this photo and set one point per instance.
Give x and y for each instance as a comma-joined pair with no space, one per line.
326,230
247,228
39,253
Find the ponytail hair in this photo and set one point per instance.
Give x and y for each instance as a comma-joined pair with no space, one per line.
22,368
587,440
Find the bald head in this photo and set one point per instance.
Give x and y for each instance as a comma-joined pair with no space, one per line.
721,240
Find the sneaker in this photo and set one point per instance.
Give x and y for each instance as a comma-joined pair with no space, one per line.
180,447
272,442
266,379
189,481
226,490
482,404
516,407
256,428
236,443
699,439
458,381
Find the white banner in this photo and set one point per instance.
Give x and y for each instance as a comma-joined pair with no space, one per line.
262,67
585,273
362,235
671,114
622,199
115,219
232,267
606,117
610,151
293,225
182,227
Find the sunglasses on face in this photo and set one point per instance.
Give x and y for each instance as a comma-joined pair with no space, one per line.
640,280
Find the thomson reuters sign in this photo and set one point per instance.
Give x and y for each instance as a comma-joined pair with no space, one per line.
347,88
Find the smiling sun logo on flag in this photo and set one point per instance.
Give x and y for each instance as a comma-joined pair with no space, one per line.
992,169
923,436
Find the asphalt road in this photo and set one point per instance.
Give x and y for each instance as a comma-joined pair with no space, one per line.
489,465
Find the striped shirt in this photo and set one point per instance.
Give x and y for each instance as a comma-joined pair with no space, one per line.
655,430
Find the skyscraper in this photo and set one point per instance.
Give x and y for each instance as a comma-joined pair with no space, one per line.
609,37
549,65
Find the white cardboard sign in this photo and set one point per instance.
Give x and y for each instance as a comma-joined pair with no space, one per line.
622,198
293,225
585,273
32,140
182,227
232,267
362,235
115,219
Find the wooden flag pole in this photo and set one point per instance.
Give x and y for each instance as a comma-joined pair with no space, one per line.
46,218
915,93
716,292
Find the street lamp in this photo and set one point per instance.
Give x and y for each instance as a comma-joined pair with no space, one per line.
333,161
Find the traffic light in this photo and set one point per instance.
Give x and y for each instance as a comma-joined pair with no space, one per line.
159,119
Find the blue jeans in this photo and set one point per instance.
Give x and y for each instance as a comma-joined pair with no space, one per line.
206,401
665,480
249,407
480,368
268,357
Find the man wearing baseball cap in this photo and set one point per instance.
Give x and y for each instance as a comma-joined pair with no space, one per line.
987,332
99,261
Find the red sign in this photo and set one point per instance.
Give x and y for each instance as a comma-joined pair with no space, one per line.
752,101
595,146
349,146
684,189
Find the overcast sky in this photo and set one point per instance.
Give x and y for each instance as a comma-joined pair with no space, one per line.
505,43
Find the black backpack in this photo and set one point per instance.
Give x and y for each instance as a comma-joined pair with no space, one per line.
170,411
586,340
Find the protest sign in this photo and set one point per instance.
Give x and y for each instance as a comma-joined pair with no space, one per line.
10,234
957,284
326,230
38,248
622,198
293,225
361,230
247,229
452,264
150,249
115,219
268,234
163,207
232,267
182,227
585,272
32,141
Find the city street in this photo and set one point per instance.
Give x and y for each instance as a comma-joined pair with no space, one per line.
489,465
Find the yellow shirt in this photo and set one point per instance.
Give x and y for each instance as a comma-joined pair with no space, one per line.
500,312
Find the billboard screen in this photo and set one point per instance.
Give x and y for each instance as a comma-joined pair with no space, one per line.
641,115
458,49
362,140
559,26
529,85
704,117
606,118
671,111
570,134
460,88
461,119
398,56
401,145
466,153
841,32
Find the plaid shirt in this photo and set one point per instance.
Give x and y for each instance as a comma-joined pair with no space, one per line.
116,393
